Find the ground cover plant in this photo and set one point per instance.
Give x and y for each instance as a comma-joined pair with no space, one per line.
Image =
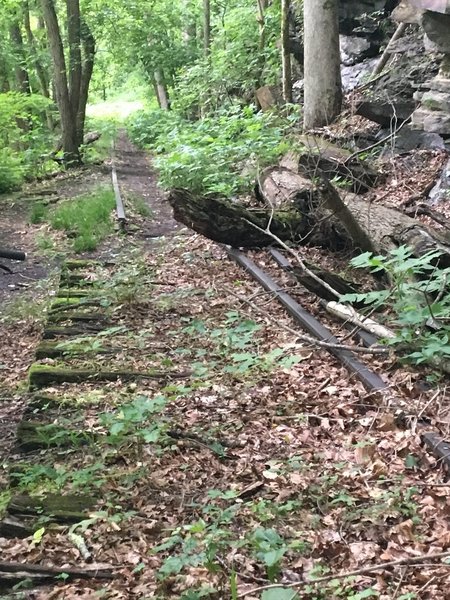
86,220
219,154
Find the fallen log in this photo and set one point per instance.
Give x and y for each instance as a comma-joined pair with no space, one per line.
309,214
229,222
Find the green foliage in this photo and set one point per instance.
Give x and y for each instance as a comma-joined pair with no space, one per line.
11,170
23,138
86,219
237,65
220,154
417,298
136,419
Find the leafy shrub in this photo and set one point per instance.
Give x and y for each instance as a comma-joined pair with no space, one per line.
11,171
219,154
418,299
24,138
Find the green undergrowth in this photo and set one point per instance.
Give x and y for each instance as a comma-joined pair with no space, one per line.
418,302
86,220
219,154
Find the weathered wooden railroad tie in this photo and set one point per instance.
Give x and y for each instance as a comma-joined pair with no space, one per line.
76,311
373,383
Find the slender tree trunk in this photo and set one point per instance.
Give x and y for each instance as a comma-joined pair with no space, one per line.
323,90
4,76
88,44
286,52
22,77
33,51
68,123
74,40
207,26
40,70
161,90
261,6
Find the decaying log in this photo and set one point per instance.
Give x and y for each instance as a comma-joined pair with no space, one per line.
60,508
285,187
298,211
228,222
320,156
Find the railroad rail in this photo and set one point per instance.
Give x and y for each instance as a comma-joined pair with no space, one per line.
372,382
120,210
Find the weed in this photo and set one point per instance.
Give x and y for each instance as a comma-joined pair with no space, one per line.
38,213
86,219
417,298
219,154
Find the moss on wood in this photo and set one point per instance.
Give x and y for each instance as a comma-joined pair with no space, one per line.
42,375
51,333
61,508
62,316
72,293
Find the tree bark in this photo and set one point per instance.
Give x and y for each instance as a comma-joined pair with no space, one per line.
300,212
70,145
161,90
323,90
286,52
41,72
74,41
231,223
88,45
22,77
261,6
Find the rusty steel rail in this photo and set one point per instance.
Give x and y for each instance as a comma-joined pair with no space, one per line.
120,210
371,381
366,338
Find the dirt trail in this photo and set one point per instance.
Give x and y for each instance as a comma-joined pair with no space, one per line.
137,177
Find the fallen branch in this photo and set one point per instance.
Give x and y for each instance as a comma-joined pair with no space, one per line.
379,142
407,561
349,314
387,51
297,257
303,336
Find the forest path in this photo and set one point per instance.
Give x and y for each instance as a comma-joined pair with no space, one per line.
137,177
212,441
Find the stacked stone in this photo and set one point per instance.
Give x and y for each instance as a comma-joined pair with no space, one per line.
434,113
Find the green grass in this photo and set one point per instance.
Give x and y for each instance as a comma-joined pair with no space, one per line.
86,219
38,213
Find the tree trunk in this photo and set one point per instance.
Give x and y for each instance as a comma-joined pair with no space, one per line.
41,73
297,210
70,145
231,223
286,52
323,91
74,41
88,44
161,90
4,76
207,26
22,77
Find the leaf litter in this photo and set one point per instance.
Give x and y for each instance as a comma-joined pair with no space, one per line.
270,463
